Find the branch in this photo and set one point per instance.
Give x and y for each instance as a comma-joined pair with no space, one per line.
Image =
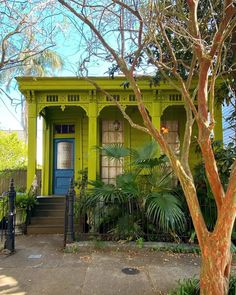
127,117
193,26
218,39
92,27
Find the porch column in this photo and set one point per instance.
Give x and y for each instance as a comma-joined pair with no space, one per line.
218,130
156,120
92,141
46,159
32,143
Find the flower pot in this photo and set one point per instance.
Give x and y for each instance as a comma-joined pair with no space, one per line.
20,218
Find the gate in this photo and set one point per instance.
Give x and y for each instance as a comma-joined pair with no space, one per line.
7,219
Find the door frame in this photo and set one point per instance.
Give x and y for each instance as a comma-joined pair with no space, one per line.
55,141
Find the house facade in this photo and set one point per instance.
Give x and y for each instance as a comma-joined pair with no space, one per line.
77,118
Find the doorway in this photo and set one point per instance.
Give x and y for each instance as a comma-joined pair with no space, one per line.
63,167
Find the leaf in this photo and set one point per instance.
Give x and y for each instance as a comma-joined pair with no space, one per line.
164,209
114,151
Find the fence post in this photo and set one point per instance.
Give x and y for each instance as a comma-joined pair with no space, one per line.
10,239
71,196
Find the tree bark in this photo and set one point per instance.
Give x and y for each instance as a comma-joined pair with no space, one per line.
215,267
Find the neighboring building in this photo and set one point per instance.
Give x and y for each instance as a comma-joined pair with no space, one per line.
229,126
77,118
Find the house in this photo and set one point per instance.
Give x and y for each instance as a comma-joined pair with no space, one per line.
77,118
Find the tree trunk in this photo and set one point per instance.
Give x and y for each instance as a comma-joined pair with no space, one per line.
215,267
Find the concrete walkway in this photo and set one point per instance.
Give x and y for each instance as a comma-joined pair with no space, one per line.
40,266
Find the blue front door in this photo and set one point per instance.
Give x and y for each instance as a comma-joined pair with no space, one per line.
63,169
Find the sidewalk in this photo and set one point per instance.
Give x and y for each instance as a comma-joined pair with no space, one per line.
40,266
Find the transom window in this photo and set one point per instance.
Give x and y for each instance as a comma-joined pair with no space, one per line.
64,128
112,133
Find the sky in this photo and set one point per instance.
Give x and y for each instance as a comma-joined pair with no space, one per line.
67,44
67,47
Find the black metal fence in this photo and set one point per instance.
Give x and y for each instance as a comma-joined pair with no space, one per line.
7,218
115,221
125,221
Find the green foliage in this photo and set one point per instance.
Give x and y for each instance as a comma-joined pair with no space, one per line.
191,286
3,207
25,201
140,243
164,209
115,151
106,193
12,151
232,285
127,228
187,287
179,248
225,156
146,192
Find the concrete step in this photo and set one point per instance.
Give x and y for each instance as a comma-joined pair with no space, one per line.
48,216
57,200
50,206
47,220
49,213
45,229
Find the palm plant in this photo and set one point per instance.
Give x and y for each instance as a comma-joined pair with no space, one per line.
146,188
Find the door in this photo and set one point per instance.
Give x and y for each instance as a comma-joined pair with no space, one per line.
63,168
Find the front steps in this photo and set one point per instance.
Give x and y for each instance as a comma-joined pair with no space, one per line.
48,216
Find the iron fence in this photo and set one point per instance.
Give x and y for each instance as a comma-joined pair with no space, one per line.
3,216
117,221
127,221
7,218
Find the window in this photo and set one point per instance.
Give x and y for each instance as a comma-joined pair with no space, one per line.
171,134
112,133
64,129
65,155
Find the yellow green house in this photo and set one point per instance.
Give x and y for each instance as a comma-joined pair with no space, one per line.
77,118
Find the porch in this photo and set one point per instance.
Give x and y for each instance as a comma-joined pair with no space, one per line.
77,118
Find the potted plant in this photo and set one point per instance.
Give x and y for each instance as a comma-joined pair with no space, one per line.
24,203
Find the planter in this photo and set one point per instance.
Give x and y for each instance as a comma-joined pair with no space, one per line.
20,218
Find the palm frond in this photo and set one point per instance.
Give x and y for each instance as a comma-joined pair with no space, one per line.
114,151
106,193
127,183
164,209
146,156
